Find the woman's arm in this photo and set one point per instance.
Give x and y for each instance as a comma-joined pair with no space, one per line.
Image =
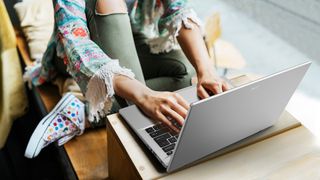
92,69
193,46
182,23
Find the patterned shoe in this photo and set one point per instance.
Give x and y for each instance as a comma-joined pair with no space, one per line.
64,122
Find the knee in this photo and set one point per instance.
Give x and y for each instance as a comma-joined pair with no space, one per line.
184,78
187,77
184,71
106,7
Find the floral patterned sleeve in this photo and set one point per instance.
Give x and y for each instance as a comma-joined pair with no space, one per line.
92,69
176,13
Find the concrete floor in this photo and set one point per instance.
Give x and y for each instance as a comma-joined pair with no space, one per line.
265,53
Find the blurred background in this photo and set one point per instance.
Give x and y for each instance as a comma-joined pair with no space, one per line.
272,35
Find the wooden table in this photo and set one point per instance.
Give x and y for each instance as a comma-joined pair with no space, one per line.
292,154
285,151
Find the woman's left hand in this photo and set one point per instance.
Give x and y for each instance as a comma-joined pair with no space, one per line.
209,84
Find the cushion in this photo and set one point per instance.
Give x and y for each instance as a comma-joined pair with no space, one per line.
36,20
13,99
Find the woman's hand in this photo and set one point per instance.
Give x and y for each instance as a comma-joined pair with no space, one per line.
163,106
160,106
209,84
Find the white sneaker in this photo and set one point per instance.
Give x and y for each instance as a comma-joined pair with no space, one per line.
64,122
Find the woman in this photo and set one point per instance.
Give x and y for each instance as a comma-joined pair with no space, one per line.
95,41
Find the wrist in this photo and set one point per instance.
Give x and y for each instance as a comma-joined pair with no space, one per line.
205,71
130,89
204,66
141,95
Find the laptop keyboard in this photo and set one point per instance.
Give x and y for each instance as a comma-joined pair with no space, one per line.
164,137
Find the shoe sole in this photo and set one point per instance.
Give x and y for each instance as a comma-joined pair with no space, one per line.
36,141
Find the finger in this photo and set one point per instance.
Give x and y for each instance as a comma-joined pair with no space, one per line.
182,102
165,120
214,88
173,114
225,86
180,110
202,93
180,105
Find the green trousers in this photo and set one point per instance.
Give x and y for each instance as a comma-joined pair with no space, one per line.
166,71
163,72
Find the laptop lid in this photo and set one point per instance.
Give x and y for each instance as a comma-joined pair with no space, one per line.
226,118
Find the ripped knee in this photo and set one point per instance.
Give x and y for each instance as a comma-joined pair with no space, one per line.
106,7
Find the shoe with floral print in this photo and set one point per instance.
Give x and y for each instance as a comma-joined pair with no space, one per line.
66,120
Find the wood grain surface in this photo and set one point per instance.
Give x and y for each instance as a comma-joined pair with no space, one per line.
88,154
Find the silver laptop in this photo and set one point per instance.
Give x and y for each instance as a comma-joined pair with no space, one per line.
218,121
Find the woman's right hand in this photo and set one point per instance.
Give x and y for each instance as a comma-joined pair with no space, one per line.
160,106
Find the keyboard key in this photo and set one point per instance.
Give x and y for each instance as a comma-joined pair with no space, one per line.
169,148
163,125
169,153
172,140
176,136
149,130
162,142
162,137
157,127
177,125
172,133
165,130
157,133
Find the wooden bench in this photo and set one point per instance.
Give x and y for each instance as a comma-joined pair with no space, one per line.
84,157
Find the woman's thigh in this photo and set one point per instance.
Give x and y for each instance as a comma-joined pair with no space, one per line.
111,30
173,64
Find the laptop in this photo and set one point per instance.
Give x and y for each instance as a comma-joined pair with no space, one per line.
218,121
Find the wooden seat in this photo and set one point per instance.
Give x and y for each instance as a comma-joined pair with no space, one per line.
223,53
84,157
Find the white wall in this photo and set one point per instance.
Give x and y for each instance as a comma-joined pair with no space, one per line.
295,21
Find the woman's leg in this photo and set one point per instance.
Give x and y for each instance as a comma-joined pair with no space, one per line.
114,34
165,71
110,28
